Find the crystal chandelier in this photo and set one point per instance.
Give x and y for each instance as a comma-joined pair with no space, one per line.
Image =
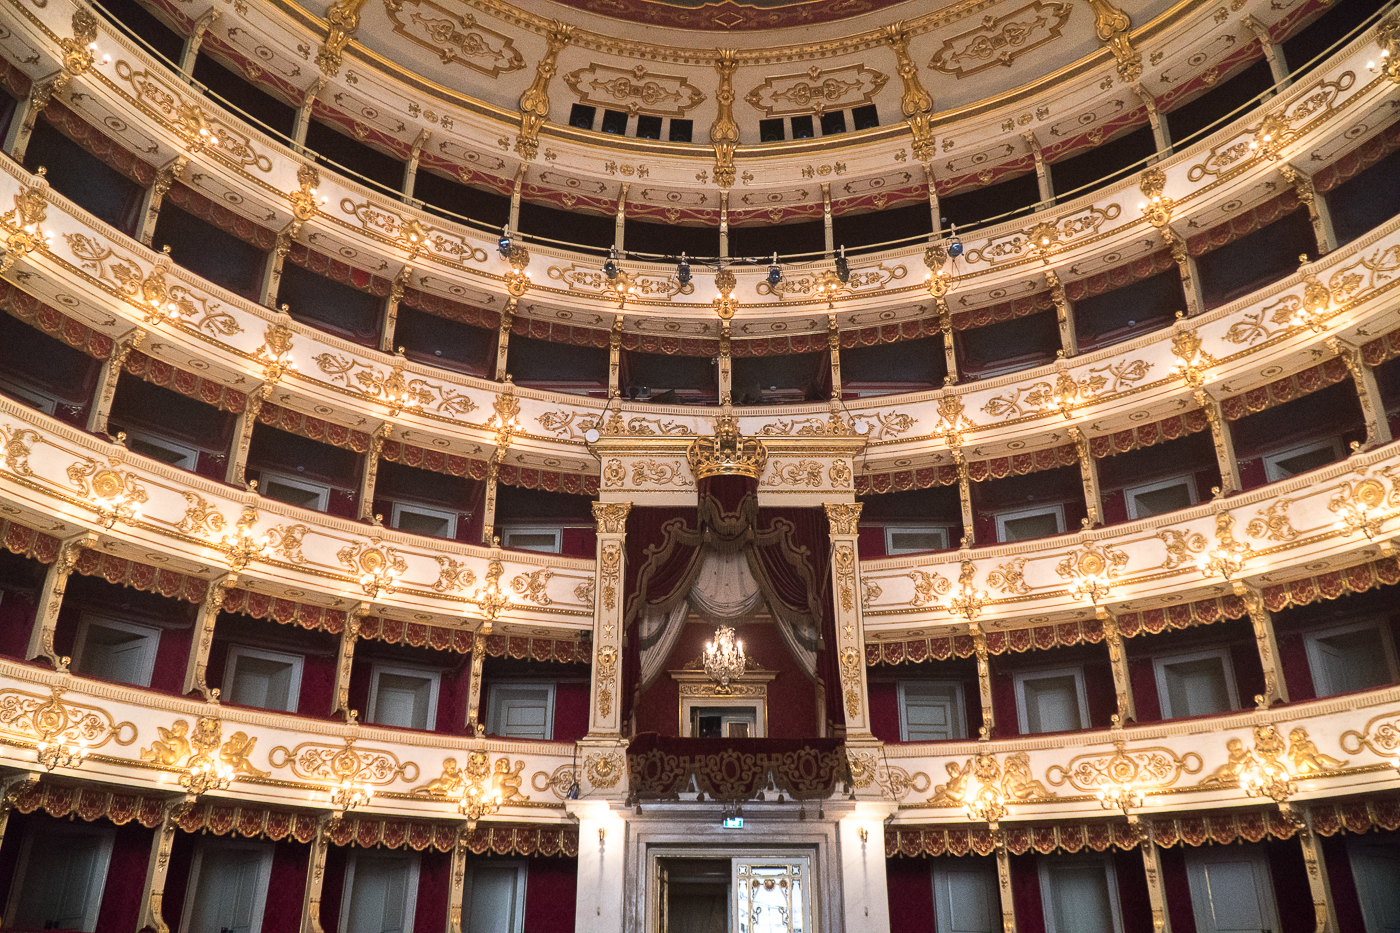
724,658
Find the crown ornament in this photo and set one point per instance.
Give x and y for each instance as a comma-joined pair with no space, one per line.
728,453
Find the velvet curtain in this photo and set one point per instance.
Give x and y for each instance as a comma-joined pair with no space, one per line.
786,551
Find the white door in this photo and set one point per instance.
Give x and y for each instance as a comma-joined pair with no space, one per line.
382,892
495,899
1375,862
1079,895
966,898
61,882
230,889
1231,891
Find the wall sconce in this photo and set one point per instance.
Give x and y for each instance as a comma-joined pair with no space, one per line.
864,835
204,774
116,496
481,794
347,795
1359,507
241,545
968,601
1228,556
602,834
61,753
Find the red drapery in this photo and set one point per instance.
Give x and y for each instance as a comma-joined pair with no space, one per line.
734,769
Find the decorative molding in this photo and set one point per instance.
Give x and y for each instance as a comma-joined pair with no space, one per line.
817,90
635,90
1001,40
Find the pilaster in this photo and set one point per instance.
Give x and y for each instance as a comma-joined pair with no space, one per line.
304,112
1368,393
1088,477
515,190
1118,661
833,342
1273,53
107,378
272,271
724,223
155,197
1161,133
503,338
315,879
1319,884
1042,170
1156,891
190,53
391,308
1004,891
828,230
1318,213
51,600
620,220
157,867
935,212
1064,314
969,535
1275,689
850,626
865,896
1224,445
345,660
27,114
370,474
605,705
202,639
410,168
615,358
474,681
984,678
602,865
243,434
458,882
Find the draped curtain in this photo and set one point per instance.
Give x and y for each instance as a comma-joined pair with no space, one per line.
724,566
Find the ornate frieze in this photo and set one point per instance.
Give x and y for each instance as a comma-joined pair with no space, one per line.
635,90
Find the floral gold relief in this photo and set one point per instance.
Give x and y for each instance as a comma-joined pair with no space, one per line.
342,764
1001,40
455,38
816,90
635,90
52,719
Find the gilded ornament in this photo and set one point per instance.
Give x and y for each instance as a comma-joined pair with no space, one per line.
724,131
604,770
23,234
916,104
1272,523
453,575
635,90
851,680
1112,26
659,473
607,679
611,517
342,19
455,37
1305,757
534,103
843,518
1009,578
1001,40
532,586
928,587
342,764
803,473
816,90
728,452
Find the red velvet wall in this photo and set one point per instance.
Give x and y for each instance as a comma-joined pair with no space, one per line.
212,465
453,694
884,710
1252,473
910,885
1249,673
434,891
1293,653
17,610
551,893
579,542
1115,507
1143,680
173,653
126,878
1100,693
1345,901
1290,876
570,711
1025,894
1132,891
1178,890
333,887
1004,703
792,702
285,895
870,541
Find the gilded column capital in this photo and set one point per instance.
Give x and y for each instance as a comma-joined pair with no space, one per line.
342,20
842,516
611,517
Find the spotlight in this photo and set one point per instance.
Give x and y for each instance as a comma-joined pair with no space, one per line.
775,272
843,268
610,267
503,244
683,271
955,247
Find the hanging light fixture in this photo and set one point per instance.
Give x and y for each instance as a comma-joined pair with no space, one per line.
683,271
503,244
775,272
610,267
843,268
724,658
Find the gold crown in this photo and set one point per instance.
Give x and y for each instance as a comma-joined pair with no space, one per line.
727,453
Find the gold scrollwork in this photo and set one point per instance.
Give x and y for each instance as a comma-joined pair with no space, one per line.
532,586
53,719
1154,767
928,586
1181,546
1380,736
659,473
336,764
802,473
1009,578
452,575
607,679
455,37
604,770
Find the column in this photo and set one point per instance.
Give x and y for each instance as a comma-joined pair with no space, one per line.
1161,133
272,272
1008,902
474,683
605,708
1368,392
620,221
614,357
833,343
459,881
850,626
243,435
514,220
190,52
933,209
371,470
410,168
155,197
1224,447
1317,208
1118,661
503,337
1319,884
315,878
1089,477
984,679
303,118
726,362
27,113
1156,894
1190,275
345,660
1042,171
202,639
488,505
1273,53
1275,689
969,535
391,309
1064,314
157,866
724,223
107,378
51,600
945,326
828,233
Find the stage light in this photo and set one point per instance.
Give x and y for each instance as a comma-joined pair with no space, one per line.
683,272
